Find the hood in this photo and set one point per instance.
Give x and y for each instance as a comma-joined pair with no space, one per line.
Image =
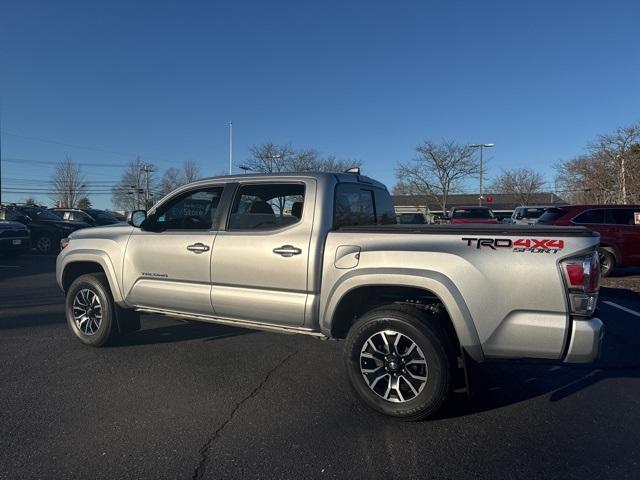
9,225
63,224
106,231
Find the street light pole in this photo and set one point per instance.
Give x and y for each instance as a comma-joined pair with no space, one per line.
481,146
230,147
271,158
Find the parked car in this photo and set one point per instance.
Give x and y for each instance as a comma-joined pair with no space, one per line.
320,254
14,238
528,215
477,214
45,226
412,218
618,226
90,216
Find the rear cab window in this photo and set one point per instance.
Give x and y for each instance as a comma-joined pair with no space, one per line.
357,204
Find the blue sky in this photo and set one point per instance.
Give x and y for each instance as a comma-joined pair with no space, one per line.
361,80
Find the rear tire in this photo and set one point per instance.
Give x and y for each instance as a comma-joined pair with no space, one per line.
45,244
607,261
398,362
91,311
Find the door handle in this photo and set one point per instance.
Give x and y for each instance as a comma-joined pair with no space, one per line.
198,248
287,251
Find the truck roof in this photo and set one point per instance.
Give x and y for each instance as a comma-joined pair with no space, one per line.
340,177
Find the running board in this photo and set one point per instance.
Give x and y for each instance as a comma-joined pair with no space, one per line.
235,323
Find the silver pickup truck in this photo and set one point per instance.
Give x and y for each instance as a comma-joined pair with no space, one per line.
319,254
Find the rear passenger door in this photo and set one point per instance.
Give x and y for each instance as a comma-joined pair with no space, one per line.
260,261
622,224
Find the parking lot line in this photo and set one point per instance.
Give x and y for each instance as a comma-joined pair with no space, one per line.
625,309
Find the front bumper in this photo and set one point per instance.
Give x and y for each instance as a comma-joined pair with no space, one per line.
14,244
586,341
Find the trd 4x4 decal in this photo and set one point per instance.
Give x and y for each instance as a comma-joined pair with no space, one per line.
520,245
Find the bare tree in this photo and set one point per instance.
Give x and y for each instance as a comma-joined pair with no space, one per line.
269,157
520,182
619,150
608,173
437,171
129,192
30,201
191,171
68,183
84,202
171,179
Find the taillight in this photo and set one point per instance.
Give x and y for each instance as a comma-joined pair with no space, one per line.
583,282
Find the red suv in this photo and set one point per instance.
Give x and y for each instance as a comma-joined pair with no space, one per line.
618,226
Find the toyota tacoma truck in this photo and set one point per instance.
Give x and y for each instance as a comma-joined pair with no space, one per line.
319,254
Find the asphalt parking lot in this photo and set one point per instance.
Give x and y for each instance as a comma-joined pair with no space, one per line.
182,400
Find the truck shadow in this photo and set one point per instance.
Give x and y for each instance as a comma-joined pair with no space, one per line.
498,384
180,332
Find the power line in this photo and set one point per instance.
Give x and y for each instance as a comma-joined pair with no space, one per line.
84,147
49,162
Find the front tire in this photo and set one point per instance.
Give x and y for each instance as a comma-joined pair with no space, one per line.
90,310
397,362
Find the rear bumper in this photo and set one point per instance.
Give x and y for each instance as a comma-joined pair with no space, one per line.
585,342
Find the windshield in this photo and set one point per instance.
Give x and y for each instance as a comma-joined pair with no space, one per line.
551,215
472,213
533,212
103,216
40,214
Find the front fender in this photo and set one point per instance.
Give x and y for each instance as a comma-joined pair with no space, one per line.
67,257
435,282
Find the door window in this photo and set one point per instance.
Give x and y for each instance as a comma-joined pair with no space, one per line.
590,216
267,206
620,216
193,210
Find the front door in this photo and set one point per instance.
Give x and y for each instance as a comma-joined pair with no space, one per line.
168,260
259,264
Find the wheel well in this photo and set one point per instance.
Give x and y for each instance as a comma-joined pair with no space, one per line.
75,269
363,299
611,248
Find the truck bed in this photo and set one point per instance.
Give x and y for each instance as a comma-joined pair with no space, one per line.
499,229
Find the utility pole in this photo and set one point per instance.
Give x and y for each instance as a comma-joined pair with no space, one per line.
230,148
147,169
481,146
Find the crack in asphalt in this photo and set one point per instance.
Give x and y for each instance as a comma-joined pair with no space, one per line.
199,471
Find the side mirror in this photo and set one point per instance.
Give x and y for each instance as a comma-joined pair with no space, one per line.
137,218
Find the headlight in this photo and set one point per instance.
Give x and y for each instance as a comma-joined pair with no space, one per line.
64,243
